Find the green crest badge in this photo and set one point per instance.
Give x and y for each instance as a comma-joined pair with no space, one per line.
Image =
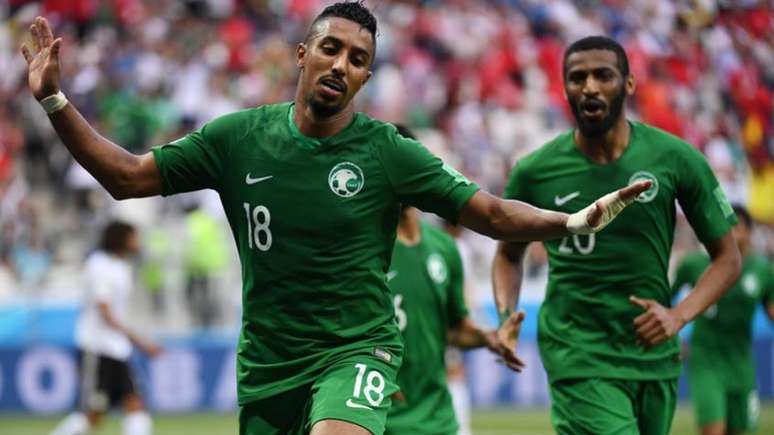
436,268
346,179
750,285
650,194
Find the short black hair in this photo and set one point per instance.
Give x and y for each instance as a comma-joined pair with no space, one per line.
354,11
598,43
742,213
114,236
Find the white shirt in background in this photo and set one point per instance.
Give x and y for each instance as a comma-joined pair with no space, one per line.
107,279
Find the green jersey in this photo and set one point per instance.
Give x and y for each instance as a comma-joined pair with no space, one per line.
427,281
722,336
314,223
585,323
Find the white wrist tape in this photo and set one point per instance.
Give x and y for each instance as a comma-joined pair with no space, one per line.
54,103
578,223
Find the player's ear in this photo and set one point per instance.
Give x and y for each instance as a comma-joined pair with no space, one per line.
630,84
368,77
301,54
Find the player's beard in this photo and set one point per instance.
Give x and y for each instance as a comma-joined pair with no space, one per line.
597,129
322,109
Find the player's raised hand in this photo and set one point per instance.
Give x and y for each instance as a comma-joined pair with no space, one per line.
596,216
506,340
657,324
43,61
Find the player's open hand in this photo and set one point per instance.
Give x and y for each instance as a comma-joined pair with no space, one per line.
506,340
150,348
657,324
43,63
596,216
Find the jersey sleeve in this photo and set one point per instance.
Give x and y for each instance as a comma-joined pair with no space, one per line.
456,309
516,187
701,197
422,180
196,161
100,283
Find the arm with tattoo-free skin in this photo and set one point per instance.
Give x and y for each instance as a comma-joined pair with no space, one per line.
658,323
123,174
507,271
516,221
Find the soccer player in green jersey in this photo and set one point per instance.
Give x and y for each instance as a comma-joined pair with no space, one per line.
312,192
606,330
721,372
426,279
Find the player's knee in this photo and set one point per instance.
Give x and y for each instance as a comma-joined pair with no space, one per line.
337,427
718,428
133,402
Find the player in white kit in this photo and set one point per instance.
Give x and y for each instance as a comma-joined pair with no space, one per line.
104,342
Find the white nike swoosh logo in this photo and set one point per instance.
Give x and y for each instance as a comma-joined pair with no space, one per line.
249,180
391,275
561,200
352,404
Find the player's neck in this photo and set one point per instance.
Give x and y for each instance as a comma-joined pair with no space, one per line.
409,232
311,126
608,147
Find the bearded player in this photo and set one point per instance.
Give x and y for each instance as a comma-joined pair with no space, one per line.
721,372
312,192
606,330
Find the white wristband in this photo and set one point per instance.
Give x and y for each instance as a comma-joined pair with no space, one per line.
54,103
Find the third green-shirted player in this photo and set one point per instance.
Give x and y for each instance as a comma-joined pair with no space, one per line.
427,280
606,328
721,372
312,192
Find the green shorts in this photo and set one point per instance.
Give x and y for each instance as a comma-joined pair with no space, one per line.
356,389
715,402
613,406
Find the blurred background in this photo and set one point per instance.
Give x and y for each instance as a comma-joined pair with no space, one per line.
479,81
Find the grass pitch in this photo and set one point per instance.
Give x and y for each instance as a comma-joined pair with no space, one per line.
485,422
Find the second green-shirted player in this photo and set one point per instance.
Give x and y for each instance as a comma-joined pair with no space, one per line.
606,329
721,372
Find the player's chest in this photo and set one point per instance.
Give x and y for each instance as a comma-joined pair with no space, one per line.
421,276
333,188
576,186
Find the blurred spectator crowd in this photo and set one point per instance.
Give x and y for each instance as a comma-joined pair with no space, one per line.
480,82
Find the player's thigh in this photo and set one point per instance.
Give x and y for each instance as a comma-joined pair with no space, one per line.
95,382
708,396
656,403
120,383
592,407
283,414
355,390
743,411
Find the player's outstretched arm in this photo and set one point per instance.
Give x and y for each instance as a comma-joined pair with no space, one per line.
659,323
122,173
516,221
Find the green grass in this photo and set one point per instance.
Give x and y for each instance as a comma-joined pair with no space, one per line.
490,422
